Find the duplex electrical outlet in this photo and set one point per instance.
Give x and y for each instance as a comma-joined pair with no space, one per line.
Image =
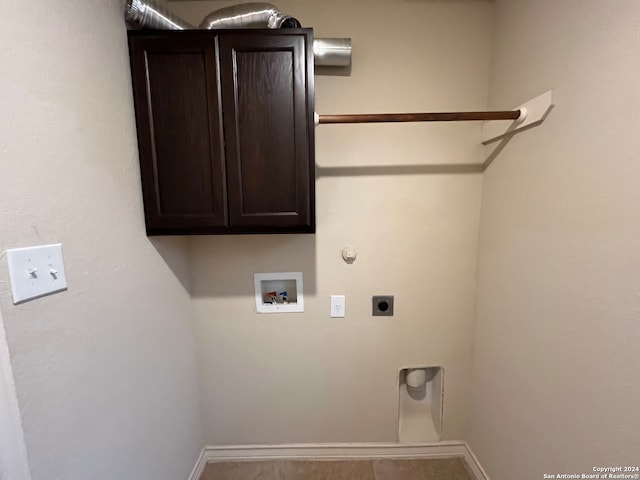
382,306
338,304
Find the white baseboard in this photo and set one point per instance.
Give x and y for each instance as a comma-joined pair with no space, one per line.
338,451
198,468
476,470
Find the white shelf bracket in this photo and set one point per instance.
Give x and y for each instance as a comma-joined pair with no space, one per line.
532,113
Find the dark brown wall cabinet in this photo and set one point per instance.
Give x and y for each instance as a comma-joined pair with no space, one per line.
225,130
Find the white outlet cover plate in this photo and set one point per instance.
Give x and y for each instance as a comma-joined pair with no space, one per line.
338,304
36,271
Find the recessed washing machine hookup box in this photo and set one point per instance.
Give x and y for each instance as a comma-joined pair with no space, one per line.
279,292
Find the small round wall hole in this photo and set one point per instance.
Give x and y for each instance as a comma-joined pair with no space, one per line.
383,306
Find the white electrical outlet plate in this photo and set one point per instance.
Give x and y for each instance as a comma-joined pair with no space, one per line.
338,304
36,271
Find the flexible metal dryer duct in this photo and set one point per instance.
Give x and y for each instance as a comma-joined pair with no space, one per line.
249,15
327,52
153,14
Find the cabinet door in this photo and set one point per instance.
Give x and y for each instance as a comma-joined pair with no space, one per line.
176,94
267,96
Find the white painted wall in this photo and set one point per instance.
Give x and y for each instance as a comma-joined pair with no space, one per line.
556,386
14,464
105,372
306,377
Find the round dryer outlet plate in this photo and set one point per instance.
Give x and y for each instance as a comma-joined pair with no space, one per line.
382,306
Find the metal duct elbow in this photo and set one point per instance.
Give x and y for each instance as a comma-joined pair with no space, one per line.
153,14
249,15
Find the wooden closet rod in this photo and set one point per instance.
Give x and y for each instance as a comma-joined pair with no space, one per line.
420,117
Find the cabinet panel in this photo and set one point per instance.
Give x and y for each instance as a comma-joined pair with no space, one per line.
179,132
267,95
267,162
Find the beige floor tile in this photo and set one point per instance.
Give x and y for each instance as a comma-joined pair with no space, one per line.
392,469
460,471
419,469
329,470
272,470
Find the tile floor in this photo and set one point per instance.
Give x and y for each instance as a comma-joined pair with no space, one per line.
388,469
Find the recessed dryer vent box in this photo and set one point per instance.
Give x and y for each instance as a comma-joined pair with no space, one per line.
279,292
420,405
